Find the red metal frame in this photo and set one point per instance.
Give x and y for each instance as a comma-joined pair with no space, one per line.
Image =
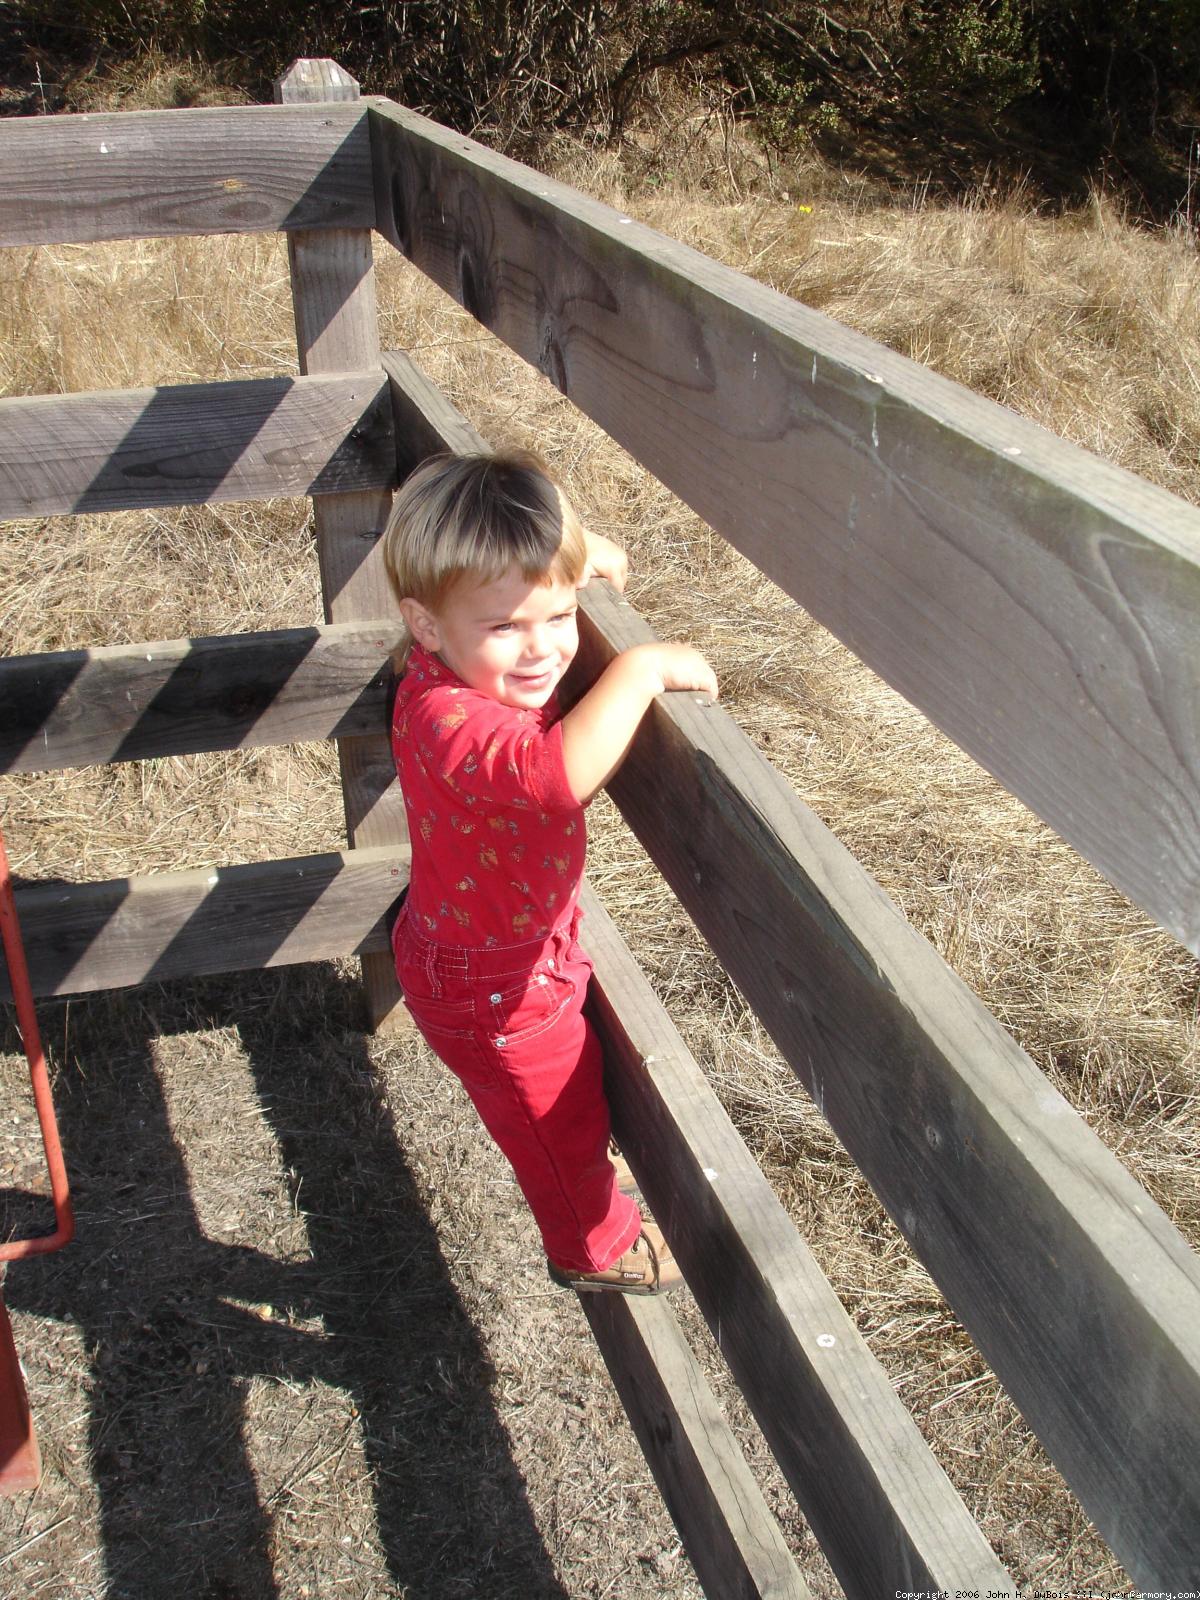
20,1464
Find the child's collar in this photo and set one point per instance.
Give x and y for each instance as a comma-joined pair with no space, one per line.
430,664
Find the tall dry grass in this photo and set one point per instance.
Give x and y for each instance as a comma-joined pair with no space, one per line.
1082,322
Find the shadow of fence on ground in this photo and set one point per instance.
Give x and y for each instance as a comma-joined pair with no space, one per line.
173,1322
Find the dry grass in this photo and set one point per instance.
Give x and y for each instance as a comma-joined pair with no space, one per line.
1083,323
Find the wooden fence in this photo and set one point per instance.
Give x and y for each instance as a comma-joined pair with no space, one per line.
1040,606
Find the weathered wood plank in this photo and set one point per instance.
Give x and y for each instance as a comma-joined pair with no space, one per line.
426,422
731,1538
1040,605
1078,1290
337,329
146,174
882,1510
316,78
73,708
184,444
85,936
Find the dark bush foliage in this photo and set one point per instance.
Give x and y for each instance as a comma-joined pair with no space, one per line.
1112,71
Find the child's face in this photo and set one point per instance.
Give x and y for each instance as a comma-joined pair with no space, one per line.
510,639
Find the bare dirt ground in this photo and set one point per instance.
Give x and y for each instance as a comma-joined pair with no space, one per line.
303,1344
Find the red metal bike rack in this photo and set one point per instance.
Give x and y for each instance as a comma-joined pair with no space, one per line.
20,1463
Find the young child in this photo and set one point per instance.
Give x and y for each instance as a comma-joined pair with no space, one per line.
486,555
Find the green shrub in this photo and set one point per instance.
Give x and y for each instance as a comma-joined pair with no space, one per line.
517,71
973,48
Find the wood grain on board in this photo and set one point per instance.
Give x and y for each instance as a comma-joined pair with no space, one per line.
1039,605
133,702
147,174
85,936
882,1509
731,1538
188,444
1081,1294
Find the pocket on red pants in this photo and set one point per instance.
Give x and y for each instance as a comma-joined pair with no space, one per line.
516,1010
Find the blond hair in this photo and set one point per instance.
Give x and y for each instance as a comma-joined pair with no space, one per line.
475,516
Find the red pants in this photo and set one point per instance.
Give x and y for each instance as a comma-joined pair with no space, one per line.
508,1022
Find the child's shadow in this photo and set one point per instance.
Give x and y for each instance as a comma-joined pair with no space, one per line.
175,1325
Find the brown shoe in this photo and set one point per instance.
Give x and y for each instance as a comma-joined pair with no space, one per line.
647,1267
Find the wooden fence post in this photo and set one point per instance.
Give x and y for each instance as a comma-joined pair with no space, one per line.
333,293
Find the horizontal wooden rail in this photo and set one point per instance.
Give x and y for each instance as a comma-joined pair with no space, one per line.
74,708
85,936
731,1538
185,444
1079,1291
881,1508
1040,605
143,174
426,421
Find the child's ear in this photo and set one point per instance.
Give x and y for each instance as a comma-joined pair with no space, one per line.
422,624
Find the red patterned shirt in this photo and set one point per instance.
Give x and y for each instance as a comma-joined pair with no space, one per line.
498,839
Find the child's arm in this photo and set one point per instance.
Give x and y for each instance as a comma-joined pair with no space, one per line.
599,729
604,560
